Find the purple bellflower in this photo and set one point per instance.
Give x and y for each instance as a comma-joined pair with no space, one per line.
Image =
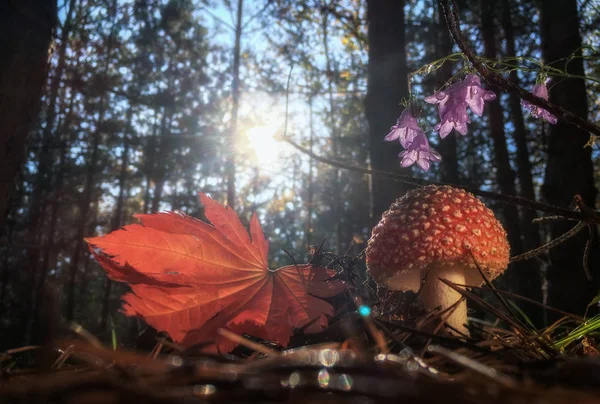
453,115
414,140
418,151
476,95
406,129
453,103
539,90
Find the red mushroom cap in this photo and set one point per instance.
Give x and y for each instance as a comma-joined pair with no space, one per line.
436,225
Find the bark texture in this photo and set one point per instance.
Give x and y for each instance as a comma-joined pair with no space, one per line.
530,231
387,85
505,176
447,147
529,281
569,171
25,33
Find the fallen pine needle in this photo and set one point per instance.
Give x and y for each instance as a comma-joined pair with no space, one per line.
246,342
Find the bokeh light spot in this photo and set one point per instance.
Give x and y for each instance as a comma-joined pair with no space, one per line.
364,311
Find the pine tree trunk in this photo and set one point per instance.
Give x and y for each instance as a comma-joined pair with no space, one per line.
150,164
160,169
531,232
235,90
49,251
118,214
529,284
25,33
387,85
86,276
60,138
335,183
569,171
447,147
505,176
44,170
8,228
84,209
88,190
521,277
310,190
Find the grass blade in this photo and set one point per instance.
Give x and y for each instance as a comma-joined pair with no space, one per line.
584,329
521,313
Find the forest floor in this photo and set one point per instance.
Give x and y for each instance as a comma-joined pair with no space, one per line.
363,357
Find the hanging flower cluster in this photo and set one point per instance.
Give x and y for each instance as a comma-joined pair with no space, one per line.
539,90
453,103
419,152
414,140
406,129
452,108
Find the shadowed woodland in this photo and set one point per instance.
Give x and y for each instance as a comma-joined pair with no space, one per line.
115,108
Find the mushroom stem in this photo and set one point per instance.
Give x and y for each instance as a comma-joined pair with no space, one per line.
435,293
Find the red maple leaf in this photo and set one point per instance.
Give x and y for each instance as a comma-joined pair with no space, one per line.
189,278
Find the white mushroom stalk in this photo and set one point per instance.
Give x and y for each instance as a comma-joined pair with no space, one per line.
434,293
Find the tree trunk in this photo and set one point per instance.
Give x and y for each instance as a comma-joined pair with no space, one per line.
84,280
505,176
235,90
25,32
118,215
331,114
520,276
530,283
531,232
387,85
569,171
92,163
310,190
160,170
84,208
33,237
447,147
150,163
49,251
8,228
44,170
51,137
43,177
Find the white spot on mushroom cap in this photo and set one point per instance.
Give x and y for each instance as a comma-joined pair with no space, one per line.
447,240
461,228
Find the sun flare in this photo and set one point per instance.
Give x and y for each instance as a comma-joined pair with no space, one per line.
262,141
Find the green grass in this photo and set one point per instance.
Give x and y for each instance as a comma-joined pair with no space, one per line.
579,332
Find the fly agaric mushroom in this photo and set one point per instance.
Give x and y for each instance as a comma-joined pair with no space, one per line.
435,232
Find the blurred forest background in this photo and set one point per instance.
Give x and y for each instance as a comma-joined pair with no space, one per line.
144,103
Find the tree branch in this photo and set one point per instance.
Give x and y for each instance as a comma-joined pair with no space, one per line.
405,179
452,19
